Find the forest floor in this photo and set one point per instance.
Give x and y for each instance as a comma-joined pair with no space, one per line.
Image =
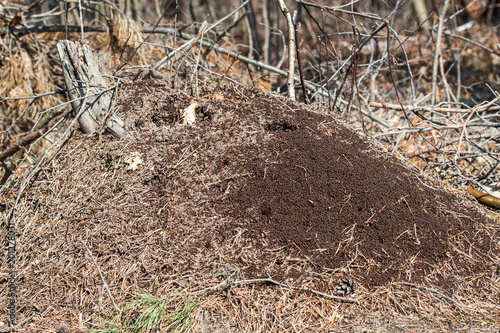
264,215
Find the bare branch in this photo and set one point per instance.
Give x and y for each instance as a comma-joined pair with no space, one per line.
437,52
291,49
271,281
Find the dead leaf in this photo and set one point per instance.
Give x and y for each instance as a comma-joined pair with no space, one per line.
189,114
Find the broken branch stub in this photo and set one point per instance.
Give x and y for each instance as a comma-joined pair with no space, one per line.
90,96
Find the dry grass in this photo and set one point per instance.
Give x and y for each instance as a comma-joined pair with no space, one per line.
125,40
25,74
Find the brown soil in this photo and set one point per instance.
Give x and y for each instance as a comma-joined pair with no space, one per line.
327,196
259,186
316,189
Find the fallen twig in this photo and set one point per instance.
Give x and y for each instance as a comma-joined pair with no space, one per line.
484,198
102,276
27,140
479,108
59,91
254,281
434,109
24,141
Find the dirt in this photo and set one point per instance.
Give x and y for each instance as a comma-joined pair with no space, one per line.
302,183
259,186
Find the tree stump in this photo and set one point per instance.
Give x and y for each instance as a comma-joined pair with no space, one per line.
90,96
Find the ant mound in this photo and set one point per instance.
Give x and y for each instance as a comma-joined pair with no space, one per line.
257,187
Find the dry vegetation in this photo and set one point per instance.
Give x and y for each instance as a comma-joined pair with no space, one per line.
80,218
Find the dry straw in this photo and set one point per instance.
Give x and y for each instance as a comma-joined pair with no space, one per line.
126,40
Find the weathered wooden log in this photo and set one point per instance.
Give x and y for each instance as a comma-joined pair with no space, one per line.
91,98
